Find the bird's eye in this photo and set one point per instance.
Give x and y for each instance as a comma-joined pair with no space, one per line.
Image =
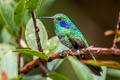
59,19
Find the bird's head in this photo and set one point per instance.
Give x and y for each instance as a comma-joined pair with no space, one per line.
60,20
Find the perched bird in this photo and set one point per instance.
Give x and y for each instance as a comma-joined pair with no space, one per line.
70,36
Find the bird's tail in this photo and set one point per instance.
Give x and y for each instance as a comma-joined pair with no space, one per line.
94,69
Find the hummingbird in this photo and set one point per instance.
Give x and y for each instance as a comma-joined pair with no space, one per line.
70,36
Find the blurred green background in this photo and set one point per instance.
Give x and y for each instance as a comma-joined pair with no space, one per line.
92,17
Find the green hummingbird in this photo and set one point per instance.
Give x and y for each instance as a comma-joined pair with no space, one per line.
70,36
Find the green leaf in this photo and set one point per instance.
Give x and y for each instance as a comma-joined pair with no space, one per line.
7,13
30,34
31,4
54,46
8,60
74,70
57,76
37,77
4,48
6,37
113,74
33,52
19,13
43,6
2,21
28,57
118,39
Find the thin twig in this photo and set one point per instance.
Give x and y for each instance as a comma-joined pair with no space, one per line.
36,32
38,40
116,35
44,68
93,50
19,47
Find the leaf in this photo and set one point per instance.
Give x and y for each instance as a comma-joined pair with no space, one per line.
113,74
8,60
6,37
33,52
9,64
19,13
74,70
118,39
57,76
28,57
54,46
43,6
7,13
38,77
2,21
4,48
30,34
109,64
31,4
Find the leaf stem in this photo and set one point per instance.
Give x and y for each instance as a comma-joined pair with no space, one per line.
19,47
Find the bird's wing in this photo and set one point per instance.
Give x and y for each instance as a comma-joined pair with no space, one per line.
79,44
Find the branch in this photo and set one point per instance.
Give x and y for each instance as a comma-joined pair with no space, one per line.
95,50
19,47
38,40
116,34
36,32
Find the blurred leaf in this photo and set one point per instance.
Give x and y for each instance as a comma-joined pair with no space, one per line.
8,61
19,13
7,13
109,64
27,16
4,48
113,74
108,32
54,46
28,57
57,76
43,6
2,21
38,77
19,77
31,4
30,35
118,39
71,66
33,52
7,38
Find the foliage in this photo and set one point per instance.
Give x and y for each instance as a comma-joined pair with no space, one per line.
17,13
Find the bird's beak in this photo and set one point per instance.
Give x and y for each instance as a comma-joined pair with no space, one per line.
52,18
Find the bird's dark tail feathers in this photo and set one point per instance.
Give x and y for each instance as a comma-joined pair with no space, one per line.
94,69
